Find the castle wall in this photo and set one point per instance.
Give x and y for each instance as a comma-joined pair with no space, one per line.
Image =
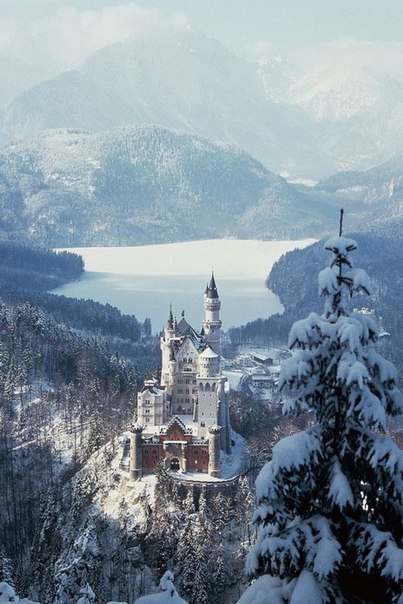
196,456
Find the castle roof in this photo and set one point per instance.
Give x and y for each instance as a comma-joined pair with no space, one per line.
170,322
182,426
152,386
211,289
208,353
183,328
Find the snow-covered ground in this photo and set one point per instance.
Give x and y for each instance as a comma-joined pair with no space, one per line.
144,280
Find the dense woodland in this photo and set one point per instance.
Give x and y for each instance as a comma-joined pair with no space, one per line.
68,382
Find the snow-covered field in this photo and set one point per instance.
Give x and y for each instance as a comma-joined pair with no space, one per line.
144,280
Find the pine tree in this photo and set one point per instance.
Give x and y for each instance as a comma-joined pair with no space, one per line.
330,501
6,568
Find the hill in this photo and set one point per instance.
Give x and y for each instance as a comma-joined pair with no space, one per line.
294,279
143,185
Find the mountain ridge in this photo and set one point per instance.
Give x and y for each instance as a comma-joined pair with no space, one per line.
145,184
185,80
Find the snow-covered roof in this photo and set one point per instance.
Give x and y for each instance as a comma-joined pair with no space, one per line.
208,353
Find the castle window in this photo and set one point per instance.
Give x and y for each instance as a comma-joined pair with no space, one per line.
207,387
203,425
187,390
147,410
147,420
213,386
180,390
147,401
201,387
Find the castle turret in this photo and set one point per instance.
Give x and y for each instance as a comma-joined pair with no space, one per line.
167,335
136,458
214,451
212,323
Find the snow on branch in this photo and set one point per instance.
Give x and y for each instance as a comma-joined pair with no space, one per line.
340,491
340,245
381,551
360,280
386,453
305,332
327,281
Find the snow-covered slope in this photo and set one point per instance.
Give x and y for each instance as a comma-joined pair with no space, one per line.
178,79
146,185
356,108
378,190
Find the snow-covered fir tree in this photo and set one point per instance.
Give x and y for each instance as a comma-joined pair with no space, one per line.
167,595
6,568
87,596
329,513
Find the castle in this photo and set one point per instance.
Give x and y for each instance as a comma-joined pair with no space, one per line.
183,421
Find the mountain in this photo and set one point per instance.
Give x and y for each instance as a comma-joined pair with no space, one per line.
378,192
178,79
300,122
356,109
146,185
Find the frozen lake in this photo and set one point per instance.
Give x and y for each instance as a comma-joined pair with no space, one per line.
145,280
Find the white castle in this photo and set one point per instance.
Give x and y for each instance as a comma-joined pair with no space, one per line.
184,419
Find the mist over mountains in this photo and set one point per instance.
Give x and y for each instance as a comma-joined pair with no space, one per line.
303,124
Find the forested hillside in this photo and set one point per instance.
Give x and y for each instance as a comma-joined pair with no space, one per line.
293,279
62,396
145,185
68,382
36,268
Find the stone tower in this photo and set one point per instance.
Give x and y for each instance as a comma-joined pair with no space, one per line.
136,458
214,451
212,323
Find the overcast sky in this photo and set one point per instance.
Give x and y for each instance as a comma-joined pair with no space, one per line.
52,35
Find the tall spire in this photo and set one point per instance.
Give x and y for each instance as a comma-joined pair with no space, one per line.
211,290
212,322
170,322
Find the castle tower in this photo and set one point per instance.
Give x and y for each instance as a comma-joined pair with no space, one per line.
136,458
208,381
212,323
167,335
214,451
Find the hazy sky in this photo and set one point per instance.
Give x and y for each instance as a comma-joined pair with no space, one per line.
48,36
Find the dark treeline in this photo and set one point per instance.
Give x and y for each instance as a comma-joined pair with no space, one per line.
102,319
26,273
32,262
